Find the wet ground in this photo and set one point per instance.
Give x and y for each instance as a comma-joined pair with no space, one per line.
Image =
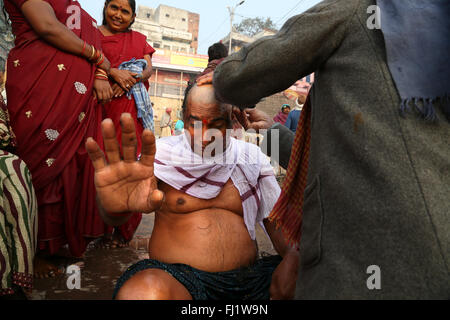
101,268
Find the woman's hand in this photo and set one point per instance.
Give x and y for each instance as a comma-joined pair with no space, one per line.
117,91
126,79
102,91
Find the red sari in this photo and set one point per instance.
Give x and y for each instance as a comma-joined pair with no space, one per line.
120,48
52,113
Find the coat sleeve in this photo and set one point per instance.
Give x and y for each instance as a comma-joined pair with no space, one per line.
272,64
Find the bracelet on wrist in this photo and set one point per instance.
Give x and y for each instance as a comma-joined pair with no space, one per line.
92,53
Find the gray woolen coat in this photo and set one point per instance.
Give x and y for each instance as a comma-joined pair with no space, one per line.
378,184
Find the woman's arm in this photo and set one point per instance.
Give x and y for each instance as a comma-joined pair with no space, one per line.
42,19
147,73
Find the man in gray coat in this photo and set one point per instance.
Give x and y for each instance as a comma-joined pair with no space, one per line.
376,214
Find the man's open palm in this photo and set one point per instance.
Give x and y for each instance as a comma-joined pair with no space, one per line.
125,185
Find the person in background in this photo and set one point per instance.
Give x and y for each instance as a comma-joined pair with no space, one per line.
131,67
216,53
179,127
282,115
294,115
57,63
166,123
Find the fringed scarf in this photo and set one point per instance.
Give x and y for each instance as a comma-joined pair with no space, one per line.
288,211
417,38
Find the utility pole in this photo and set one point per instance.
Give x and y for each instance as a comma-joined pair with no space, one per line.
231,11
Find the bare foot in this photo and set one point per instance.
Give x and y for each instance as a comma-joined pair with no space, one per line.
105,242
118,241
44,267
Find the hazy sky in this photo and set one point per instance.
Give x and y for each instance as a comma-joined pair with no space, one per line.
214,16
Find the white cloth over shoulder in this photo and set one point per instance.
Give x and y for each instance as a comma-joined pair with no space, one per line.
244,163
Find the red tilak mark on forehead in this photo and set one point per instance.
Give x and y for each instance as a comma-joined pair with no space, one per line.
204,121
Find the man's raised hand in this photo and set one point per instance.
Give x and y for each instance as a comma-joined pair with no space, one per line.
125,185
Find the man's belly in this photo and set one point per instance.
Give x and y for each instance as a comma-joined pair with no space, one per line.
211,240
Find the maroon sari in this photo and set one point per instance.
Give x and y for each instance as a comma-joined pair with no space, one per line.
120,48
52,113
281,117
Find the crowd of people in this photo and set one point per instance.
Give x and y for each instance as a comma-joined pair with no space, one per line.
366,152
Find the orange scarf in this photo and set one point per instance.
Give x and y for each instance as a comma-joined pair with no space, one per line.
288,211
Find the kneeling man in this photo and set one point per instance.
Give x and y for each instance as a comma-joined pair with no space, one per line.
208,192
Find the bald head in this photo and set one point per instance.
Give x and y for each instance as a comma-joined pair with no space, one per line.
204,101
202,94
205,117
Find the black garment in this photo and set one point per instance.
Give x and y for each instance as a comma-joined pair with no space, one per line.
248,283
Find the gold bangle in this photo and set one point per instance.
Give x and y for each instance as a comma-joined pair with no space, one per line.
93,53
102,71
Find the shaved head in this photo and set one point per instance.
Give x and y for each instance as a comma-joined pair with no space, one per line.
205,118
205,96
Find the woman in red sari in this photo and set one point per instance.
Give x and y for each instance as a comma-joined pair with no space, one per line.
120,44
51,84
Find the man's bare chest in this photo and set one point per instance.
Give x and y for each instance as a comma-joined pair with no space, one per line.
180,202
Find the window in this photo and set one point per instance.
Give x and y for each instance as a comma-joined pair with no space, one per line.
166,47
183,19
156,45
167,15
148,15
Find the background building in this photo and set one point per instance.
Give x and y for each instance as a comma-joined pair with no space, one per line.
169,28
238,40
171,73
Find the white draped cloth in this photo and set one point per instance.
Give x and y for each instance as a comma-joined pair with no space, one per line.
244,163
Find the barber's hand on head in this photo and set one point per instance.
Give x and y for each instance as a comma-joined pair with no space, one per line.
253,119
205,79
284,278
117,90
102,91
124,184
126,79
